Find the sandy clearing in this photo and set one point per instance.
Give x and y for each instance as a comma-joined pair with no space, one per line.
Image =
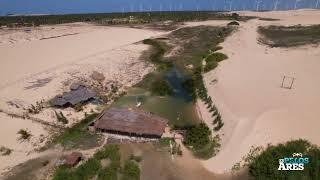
40,69
255,109
54,53
9,138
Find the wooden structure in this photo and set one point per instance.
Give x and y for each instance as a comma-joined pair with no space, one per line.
134,123
287,82
78,94
73,159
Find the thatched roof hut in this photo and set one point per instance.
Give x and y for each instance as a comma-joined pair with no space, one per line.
77,94
73,159
131,123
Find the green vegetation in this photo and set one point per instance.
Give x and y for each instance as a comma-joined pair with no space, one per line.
198,136
92,167
161,88
198,139
209,150
265,166
269,19
78,136
36,109
158,50
131,171
283,36
118,18
195,43
24,134
233,23
61,118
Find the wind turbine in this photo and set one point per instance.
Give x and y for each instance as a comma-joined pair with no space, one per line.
296,3
180,7
230,5
258,4
276,5
213,4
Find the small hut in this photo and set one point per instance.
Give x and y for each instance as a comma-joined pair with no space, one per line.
78,94
73,159
134,123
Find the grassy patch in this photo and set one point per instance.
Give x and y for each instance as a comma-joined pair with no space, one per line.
282,36
195,43
269,19
92,167
78,136
157,52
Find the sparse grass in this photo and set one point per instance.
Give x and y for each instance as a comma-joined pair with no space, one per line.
282,36
158,50
78,136
269,19
92,168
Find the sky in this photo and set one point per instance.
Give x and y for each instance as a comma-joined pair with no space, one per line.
99,6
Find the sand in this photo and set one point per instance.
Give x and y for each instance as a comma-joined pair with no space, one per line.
33,70
254,108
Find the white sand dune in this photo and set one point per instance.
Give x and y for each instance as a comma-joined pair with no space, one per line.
113,51
255,109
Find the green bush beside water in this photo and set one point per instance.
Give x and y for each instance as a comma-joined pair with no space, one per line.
161,88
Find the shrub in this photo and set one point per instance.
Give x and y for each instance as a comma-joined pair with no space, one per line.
24,134
233,23
265,165
198,136
61,118
4,151
235,16
216,48
219,126
217,57
161,88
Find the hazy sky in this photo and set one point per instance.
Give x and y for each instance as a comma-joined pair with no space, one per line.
91,6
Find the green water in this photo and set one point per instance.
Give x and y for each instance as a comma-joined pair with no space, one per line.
178,108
